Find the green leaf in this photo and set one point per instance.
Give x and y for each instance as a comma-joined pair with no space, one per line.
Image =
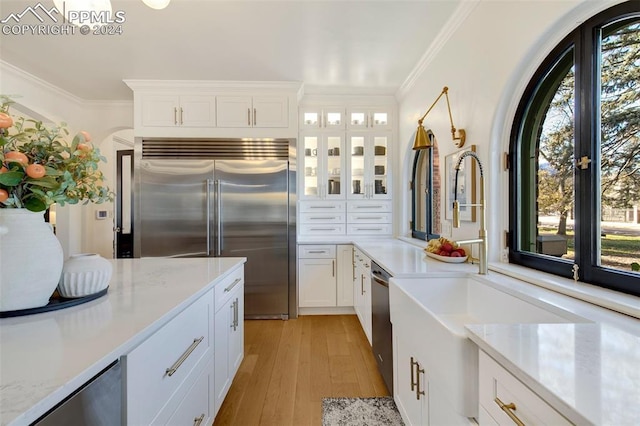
635,266
11,178
35,205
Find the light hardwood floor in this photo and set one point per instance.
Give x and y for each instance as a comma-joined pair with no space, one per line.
289,366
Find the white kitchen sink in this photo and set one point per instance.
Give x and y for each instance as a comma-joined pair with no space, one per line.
438,309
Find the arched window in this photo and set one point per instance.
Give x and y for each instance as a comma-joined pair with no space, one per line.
425,188
575,156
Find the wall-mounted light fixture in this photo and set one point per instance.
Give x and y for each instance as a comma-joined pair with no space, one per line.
422,140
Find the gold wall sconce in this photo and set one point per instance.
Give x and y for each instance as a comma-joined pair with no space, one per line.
422,140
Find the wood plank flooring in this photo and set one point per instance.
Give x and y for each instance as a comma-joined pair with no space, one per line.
289,366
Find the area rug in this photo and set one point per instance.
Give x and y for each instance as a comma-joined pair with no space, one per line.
360,412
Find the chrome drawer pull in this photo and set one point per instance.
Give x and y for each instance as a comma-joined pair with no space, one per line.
373,217
322,207
318,251
509,409
198,420
235,283
323,218
184,356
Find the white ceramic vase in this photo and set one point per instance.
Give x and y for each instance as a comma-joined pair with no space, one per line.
31,260
84,274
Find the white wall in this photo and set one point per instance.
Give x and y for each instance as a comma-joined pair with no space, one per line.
486,62
76,228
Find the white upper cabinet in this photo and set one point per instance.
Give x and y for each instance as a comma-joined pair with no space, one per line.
174,110
253,111
215,109
317,118
368,118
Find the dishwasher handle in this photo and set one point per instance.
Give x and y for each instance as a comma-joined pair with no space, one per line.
379,279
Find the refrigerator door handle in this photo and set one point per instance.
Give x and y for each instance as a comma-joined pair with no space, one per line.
208,201
218,186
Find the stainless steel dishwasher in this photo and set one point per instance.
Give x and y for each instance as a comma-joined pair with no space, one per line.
382,340
96,403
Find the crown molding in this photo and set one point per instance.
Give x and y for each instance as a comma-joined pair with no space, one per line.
241,86
449,28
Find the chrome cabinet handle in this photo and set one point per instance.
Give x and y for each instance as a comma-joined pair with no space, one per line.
170,371
198,420
333,268
233,284
248,116
361,284
181,111
175,116
255,122
509,409
235,314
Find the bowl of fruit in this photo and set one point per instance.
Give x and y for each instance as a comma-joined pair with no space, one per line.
445,250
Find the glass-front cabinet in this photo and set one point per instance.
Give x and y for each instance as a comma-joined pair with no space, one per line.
368,165
325,118
369,118
323,166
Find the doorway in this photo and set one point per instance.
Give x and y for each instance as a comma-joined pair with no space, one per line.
123,229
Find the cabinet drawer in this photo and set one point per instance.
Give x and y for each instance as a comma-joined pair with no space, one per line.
156,369
194,407
369,229
369,206
322,207
496,383
224,290
366,217
311,218
322,229
324,251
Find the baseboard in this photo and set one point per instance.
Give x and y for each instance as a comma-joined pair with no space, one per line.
332,310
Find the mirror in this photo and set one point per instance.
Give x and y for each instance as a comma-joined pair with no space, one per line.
426,189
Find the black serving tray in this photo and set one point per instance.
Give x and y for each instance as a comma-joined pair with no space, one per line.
55,302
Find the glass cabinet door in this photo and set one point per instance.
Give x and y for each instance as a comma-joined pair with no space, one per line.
333,187
369,118
322,118
311,165
368,166
357,187
379,166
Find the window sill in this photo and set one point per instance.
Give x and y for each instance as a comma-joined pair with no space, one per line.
613,300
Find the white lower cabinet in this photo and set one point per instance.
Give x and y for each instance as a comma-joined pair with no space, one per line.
411,388
160,371
362,291
228,336
182,372
325,275
504,400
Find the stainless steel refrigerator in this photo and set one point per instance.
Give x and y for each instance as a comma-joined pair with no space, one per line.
222,198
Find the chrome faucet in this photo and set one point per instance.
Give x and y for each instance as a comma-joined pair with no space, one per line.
482,232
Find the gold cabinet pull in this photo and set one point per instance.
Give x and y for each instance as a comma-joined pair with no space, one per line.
198,420
235,283
413,379
509,409
418,391
184,356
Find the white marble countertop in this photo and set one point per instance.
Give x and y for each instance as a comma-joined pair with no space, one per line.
588,372
401,259
45,357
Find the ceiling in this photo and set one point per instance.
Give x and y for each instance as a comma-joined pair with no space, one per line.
372,44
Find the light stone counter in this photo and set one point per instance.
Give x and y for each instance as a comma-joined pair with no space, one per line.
589,372
45,357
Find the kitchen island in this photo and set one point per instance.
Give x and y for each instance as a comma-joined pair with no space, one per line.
46,357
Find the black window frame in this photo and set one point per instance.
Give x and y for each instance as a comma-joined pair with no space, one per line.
584,42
